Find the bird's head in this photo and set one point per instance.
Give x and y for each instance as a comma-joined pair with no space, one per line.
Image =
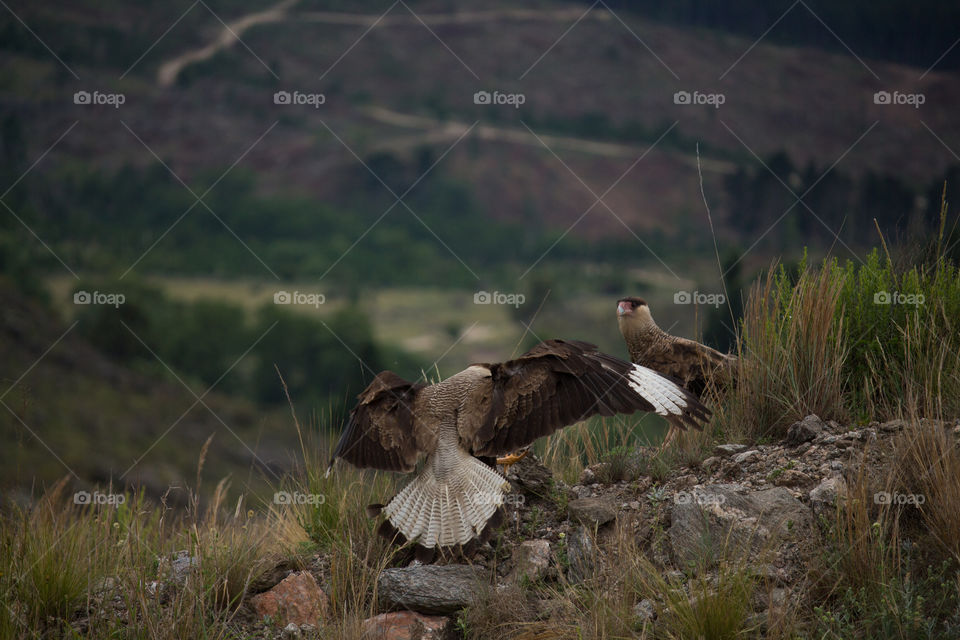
633,313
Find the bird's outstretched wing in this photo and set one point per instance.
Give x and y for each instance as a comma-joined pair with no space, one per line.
558,383
380,433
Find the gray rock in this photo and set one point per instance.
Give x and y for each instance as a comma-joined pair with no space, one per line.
180,567
893,426
792,478
530,476
726,450
580,491
531,559
290,631
746,456
430,588
804,431
644,610
710,464
582,556
592,511
824,496
730,520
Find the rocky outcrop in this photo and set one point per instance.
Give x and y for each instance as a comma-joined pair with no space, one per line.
592,511
430,588
733,521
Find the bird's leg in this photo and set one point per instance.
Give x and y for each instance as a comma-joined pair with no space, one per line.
512,459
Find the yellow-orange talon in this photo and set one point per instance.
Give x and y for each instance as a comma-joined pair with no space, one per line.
508,461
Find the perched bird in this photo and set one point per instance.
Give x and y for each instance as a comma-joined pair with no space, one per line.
693,364
459,424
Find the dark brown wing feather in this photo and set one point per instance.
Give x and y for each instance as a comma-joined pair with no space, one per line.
380,433
555,384
690,362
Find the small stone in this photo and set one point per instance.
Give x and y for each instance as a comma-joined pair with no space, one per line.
804,431
892,426
592,511
710,464
580,491
296,599
644,610
746,457
726,450
531,559
290,631
792,478
826,494
686,481
181,566
404,625
633,504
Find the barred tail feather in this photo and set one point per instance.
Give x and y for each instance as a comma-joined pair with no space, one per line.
434,513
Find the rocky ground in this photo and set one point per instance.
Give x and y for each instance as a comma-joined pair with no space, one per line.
758,504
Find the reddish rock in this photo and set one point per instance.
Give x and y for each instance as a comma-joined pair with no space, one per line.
405,625
297,599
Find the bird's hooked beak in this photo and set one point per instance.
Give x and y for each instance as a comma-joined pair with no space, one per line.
623,308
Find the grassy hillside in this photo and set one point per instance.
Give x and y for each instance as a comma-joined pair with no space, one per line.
801,344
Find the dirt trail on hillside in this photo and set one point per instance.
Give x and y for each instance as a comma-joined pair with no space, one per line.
230,34
432,130
232,31
436,130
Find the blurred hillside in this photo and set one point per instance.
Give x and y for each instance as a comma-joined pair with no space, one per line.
398,159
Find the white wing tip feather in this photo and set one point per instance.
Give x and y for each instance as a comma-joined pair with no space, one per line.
665,396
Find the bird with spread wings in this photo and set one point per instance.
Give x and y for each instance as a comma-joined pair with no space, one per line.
460,424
